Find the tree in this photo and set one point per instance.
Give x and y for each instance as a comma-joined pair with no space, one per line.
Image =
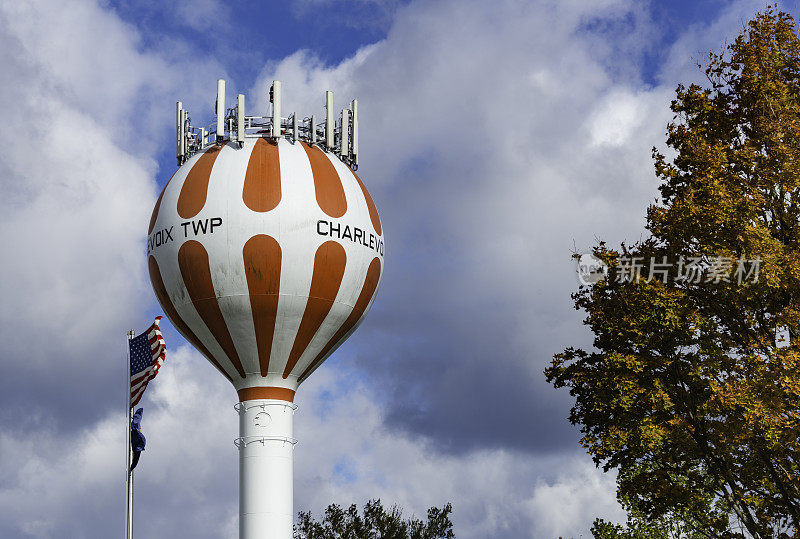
640,526
376,523
686,391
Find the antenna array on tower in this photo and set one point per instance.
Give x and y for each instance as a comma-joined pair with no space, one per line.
232,125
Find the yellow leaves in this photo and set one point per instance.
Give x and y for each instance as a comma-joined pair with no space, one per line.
764,398
688,379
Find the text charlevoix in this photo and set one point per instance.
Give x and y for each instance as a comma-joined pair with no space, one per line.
207,226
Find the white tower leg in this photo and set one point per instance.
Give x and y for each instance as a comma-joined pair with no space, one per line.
266,450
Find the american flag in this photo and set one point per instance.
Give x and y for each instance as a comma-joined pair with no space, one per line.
147,355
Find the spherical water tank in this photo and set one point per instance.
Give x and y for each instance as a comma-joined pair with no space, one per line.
265,257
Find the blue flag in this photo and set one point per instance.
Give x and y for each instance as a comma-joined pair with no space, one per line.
137,438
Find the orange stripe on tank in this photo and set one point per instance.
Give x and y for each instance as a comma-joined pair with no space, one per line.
154,216
329,263
195,188
367,291
373,211
262,181
196,273
277,393
175,318
262,267
327,184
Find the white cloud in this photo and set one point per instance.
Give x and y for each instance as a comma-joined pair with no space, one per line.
50,479
78,177
73,485
204,15
618,116
69,229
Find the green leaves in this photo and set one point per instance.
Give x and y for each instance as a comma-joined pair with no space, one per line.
376,523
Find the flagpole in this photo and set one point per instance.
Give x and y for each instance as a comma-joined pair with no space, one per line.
128,474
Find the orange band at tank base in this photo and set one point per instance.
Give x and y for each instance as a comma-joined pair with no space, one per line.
276,393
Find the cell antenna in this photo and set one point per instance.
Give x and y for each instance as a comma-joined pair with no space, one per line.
275,93
220,109
336,136
345,136
240,120
329,133
354,107
179,132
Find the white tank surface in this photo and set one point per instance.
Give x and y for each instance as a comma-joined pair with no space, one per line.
265,258
266,254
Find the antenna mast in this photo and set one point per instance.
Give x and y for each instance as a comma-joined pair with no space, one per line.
233,125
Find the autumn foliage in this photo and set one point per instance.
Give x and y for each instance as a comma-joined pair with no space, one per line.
687,392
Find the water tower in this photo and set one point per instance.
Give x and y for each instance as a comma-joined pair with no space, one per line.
265,250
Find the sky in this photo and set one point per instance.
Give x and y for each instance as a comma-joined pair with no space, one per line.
497,138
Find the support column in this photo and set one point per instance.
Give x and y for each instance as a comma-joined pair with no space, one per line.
266,451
